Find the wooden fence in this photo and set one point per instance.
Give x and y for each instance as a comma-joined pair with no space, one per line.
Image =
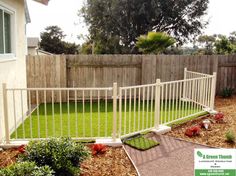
126,70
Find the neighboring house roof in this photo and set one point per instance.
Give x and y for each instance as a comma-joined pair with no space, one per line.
45,2
43,52
32,42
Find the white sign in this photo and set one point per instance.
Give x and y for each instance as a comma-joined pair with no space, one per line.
215,162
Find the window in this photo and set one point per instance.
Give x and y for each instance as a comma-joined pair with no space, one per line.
5,31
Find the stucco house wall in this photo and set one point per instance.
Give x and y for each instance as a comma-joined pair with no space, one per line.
13,68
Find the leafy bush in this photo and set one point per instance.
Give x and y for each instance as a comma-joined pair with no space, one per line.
27,169
230,136
227,92
62,155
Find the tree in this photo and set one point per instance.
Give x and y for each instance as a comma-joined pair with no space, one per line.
154,42
216,44
128,19
207,42
224,46
232,37
70,48
52,41
109,45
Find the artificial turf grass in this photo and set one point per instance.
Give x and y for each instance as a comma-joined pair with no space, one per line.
87,129
181,121
141,143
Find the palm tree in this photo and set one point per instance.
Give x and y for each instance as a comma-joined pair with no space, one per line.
154,42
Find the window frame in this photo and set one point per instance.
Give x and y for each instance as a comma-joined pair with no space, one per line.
10,56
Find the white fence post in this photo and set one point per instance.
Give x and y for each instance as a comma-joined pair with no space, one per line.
114,111
157,103
213,90
5,111
184,87
120,111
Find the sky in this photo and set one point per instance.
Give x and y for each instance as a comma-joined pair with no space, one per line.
64,14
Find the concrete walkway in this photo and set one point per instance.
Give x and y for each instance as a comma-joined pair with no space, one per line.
172,157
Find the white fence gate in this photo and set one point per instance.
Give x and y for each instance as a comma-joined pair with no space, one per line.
92,113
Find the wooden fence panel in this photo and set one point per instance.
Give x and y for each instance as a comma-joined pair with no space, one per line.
126,70
226,75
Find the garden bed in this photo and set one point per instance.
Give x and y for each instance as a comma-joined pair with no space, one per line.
113,162
215,136
8,157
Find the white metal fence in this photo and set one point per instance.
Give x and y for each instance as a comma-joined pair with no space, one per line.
93,113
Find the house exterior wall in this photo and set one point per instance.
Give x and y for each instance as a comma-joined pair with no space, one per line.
13,70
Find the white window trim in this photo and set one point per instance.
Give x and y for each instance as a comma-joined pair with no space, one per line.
10,56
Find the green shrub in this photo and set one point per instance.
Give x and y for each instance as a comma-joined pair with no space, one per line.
230,136
227,92
63,155
27,169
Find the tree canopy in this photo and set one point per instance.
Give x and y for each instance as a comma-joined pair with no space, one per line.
52,41
207,43
125,20
216,44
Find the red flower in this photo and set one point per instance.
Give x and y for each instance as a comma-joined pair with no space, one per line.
196,130
21,149
193,131
98,149
189,133
219,117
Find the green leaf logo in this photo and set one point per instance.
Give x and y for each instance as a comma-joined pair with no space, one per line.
199,154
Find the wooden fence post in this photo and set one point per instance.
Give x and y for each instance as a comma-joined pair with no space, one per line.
157,104
213,90
114,112
5,112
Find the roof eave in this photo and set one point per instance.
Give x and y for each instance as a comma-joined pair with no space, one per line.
45,2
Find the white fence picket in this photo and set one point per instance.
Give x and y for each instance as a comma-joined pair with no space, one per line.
140,108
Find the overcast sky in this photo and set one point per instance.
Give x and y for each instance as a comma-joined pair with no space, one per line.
221,16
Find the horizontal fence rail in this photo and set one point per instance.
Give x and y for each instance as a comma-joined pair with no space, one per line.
110,112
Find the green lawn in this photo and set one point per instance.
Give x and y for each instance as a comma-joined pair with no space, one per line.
70,123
